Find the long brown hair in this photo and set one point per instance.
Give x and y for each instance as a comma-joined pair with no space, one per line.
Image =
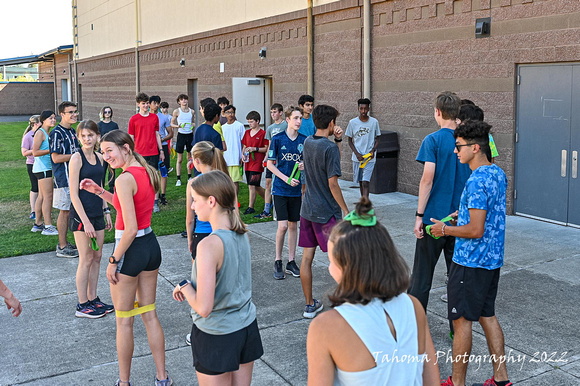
88,124
371,265
210,155
219,185
121,138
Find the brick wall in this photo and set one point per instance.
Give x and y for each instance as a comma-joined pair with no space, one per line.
419,48
25,98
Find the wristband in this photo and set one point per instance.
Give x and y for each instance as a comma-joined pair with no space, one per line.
443,229
337,140
106,211
417,214
101,192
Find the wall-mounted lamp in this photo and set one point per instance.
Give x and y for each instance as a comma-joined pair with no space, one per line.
64,71
483,27
182,62
82,74
262,53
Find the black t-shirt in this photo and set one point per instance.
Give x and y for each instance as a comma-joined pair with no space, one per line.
104,128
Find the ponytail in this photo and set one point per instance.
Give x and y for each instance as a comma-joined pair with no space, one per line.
31,122
153,175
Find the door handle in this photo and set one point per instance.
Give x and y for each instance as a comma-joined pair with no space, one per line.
563,163
574,164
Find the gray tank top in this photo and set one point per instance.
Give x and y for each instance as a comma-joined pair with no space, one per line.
232,307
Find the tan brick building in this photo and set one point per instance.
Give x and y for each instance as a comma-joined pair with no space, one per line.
417,49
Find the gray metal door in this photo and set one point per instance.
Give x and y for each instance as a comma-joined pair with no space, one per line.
547,134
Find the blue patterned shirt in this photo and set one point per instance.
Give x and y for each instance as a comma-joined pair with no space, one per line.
485,190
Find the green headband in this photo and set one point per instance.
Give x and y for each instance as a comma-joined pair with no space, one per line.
368,220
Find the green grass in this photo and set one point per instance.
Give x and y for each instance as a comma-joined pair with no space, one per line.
15,236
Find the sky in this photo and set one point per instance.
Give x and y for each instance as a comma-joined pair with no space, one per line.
38,27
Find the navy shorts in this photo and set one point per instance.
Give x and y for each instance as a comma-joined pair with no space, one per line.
471,292
218,354
75,224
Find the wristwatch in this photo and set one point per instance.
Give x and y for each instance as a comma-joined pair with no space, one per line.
113,261
183,284
417,214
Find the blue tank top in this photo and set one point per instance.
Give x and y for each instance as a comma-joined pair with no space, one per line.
42,163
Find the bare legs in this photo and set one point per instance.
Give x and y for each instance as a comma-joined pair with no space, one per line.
43,203
292,228
306,273
252,194
89,265
62,226
240,377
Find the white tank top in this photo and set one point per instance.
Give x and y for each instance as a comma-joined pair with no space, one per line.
398,361
184,122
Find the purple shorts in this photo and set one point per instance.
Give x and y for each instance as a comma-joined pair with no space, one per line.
313,234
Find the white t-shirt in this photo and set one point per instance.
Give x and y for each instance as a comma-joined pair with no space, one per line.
363,135
233,134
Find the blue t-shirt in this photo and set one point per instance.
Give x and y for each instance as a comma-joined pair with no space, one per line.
163,125
205,132
486,190
307,127
286,153
62,141
450,174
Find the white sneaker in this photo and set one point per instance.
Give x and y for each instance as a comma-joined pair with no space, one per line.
444,298
50,231
155,208
178,183
170,170
188,339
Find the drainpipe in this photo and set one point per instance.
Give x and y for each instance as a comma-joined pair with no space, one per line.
54,83
367,24
310,49
137,76
71,77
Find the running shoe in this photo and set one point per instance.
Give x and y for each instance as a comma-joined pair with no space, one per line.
122,383
444,298
250,211
491,382
155,208
188,339
32,216
50,231
292,269
71,246
99,305
278,271
37,228
447,382
170,170
67,251
184,234
178,183
87,310
163,200
263,215
311,310
164,382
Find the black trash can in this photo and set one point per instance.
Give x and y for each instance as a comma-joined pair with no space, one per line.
384,178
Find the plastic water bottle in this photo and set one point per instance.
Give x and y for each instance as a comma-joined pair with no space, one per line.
247,156
162,169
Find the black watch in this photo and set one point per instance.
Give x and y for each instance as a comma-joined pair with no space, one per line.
113,261
419,214
183,283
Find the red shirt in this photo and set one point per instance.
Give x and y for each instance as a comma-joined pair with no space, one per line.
258,140
143,199
144,129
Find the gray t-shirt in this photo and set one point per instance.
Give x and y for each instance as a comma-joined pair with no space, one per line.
321,162
275,128
363,135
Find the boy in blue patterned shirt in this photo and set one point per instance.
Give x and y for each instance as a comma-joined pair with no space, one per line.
284,154
478,255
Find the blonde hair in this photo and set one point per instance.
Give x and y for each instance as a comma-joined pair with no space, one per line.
121,138
31,122
210,155
219,185
88,124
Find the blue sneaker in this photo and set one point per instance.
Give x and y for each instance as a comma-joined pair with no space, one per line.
32,216
311,310
164,382
37,228
87,310
99,305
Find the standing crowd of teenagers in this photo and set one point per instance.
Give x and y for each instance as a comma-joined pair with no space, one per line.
379,304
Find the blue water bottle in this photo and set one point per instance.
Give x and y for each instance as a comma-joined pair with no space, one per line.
162,169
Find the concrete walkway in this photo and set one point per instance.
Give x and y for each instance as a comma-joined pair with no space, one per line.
537,306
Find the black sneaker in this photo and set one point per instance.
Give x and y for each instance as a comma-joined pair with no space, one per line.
278,271
87,310
184,234
292,269
99,305
162,200
250,211
263,215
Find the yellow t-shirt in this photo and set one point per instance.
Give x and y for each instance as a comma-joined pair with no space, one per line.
218,127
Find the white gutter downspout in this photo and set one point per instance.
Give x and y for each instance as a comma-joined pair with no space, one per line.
367,25
310,49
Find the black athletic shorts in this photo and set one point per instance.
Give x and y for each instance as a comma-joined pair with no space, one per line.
471,292
144,254
268,173
167,160
197,237
33,179
43,175
218,354
253,178
287,208
75,224
152,160
184,141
